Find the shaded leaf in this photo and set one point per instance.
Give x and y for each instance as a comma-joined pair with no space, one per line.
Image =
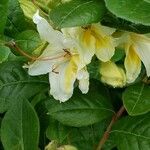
20,127
3,14
15,82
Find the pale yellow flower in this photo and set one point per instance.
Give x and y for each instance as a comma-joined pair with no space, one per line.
61,60
93,39
112,75
137,48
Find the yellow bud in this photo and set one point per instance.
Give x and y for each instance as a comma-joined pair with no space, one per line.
112,75
67,147
51,146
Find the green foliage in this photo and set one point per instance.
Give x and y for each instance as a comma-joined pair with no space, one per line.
136,96
15,82
28,40
20,127
15,20
82,110
136,11
30,118
3,14
77,13
4,53
132,133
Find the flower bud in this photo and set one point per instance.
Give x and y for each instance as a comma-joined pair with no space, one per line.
51,146
67,147
112,75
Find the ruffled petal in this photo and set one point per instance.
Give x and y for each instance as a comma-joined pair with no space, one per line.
132,64
102,30
62,81
57,87
142,48
86,42
46,31
105,48
112,75
83,77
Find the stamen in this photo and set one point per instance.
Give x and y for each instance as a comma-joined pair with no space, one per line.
67,52
54,69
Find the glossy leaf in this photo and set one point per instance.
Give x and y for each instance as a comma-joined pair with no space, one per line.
83,110
20,127
132,133
136,11
16,20
136,99
15,82
77,13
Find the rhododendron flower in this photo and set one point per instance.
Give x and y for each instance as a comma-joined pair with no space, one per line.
137,48
94,39
61,59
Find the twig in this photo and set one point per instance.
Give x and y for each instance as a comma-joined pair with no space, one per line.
13,45
107,132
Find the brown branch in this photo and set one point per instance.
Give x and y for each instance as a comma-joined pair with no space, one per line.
13,45
107,132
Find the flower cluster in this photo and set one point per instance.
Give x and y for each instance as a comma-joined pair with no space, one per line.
70,50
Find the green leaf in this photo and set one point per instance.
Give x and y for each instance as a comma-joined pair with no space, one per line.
16,20
57,131
87,138
122,24
28,40
136,11
136,99
77,13
20,127
132,133
15,82
84,138
3,14
82,110
4,53
147,1
119,54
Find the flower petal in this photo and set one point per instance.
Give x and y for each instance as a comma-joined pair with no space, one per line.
103,30
132,64
86,42
62,82
46,31
142,47
83,77
57,85
105,48
112,74
45,64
